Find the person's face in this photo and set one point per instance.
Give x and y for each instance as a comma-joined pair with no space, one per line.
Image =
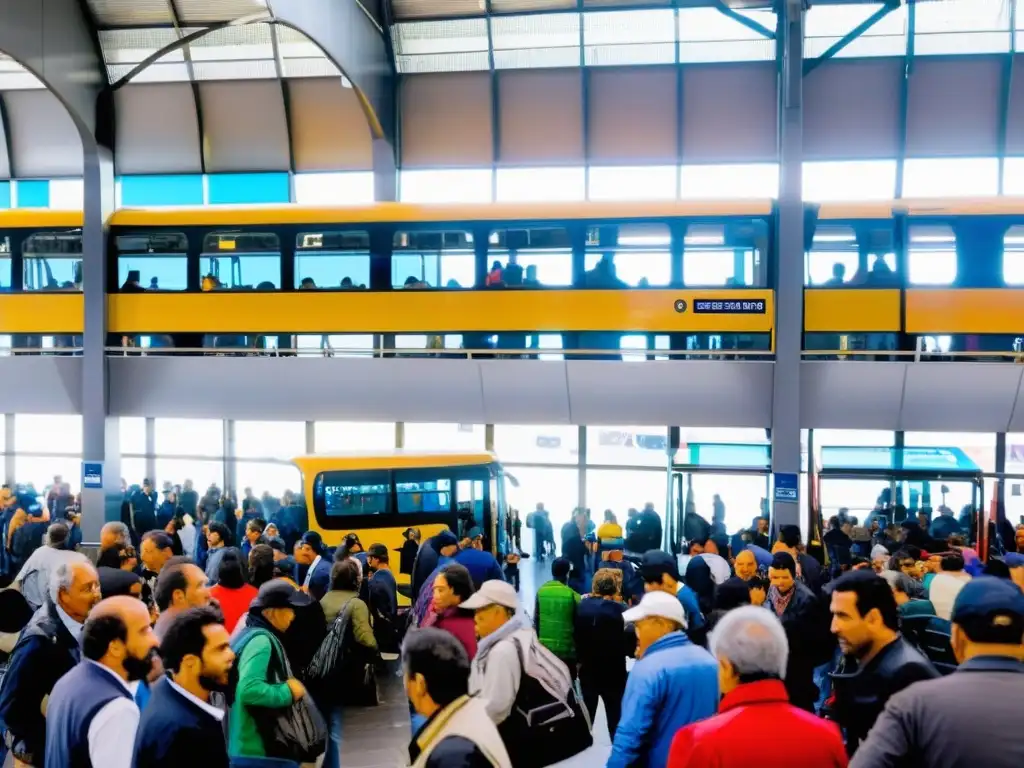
1018,536
922,520
252,534
83,594
762,525
188,485
197,593
878,564
305,554
746,565
152,556
280,618
874,526
140,648
854,632
444,597
781,579
214,668
373,563
489,619
108,539
758,596
450,550
213,539
146,488
909,567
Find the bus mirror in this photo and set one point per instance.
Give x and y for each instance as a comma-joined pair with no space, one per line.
512,480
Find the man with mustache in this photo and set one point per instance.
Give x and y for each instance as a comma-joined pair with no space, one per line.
180,724
92,718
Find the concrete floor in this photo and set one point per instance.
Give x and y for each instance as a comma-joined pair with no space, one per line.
379,737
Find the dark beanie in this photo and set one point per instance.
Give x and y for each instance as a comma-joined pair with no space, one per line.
785,560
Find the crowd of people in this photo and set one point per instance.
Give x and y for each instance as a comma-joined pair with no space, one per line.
236,637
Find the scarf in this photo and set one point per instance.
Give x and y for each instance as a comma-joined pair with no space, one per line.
510,627
780,602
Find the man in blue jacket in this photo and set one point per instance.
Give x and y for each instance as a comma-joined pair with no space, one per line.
674,684
312,571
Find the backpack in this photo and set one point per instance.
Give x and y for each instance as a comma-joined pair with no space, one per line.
323,673
543,729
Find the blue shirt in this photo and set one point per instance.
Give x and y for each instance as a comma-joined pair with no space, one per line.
482,566
688,598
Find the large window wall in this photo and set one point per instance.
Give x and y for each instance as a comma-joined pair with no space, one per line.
614,467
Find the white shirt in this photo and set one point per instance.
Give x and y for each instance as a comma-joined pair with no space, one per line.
944,589
70,624
207,707
35,574
112,730
309,573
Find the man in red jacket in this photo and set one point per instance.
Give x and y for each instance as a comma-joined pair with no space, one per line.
751,648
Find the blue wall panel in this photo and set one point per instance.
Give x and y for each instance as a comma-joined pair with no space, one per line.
161,190
5,194
247,188
33,194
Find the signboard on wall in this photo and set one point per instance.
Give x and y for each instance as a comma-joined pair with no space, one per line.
92,474
786,488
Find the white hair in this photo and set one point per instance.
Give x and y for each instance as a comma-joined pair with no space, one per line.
120,530
752,639
56,536
62,578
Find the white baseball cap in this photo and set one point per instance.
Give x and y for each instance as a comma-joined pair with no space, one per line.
656,604
493,592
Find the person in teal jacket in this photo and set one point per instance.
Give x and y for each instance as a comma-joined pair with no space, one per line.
262,665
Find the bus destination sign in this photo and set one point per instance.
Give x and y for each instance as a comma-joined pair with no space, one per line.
729,306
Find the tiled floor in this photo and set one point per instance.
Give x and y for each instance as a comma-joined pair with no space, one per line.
379,737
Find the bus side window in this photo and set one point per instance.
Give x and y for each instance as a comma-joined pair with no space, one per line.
469,494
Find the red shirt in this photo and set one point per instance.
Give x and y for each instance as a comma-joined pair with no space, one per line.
234,603
757,726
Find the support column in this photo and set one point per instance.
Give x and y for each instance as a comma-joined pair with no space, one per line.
151,452
581,487
9,472
385,173
230,473
310,438
789,257
100,439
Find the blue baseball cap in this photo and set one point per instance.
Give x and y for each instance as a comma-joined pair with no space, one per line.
987,598
1014,560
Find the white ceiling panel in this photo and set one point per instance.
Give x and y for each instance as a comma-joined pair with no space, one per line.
157,131
44,140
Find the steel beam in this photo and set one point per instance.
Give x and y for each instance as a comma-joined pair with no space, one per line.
357,45
1006,88
904,105
789,258
739,18
811,64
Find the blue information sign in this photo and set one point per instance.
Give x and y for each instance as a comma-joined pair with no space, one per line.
92,474
786,487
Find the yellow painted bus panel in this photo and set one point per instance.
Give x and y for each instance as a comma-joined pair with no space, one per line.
652,311
42,313
851,310
39,219
965,310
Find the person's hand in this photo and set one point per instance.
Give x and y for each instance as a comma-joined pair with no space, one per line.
298,689
238,514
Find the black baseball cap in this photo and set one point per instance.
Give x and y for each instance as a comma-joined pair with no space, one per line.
278,593
377,550
655,563
313,540
445,539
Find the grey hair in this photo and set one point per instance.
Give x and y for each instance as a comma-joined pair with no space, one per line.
120,530
56,535
62,578
752,639
897,580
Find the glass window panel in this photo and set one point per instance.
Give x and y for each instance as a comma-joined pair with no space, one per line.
202,472
270,439
332,260
825,25
620,255
155,261
527,185
132,435
445,437
635,446
741,435
1013,174
422,259
67,194
39,471
742,496
133,471
707,34
472,185
857,180
266,477
334,188
640,344
5,262
556,489
731,256
543,40
189,437
241,260
341,494
629,37
36,433
354,436
980,447
557,444
729,181
530,258
962,26
449,36
880,438
1013,255
634,183
951,177
550,341
337,344
623,489
932,255
53,261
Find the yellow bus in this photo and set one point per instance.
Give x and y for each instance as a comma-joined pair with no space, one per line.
380,495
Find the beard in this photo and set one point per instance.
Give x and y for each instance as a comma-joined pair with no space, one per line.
212,684
139,669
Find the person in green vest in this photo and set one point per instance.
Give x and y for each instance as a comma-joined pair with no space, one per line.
554,614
